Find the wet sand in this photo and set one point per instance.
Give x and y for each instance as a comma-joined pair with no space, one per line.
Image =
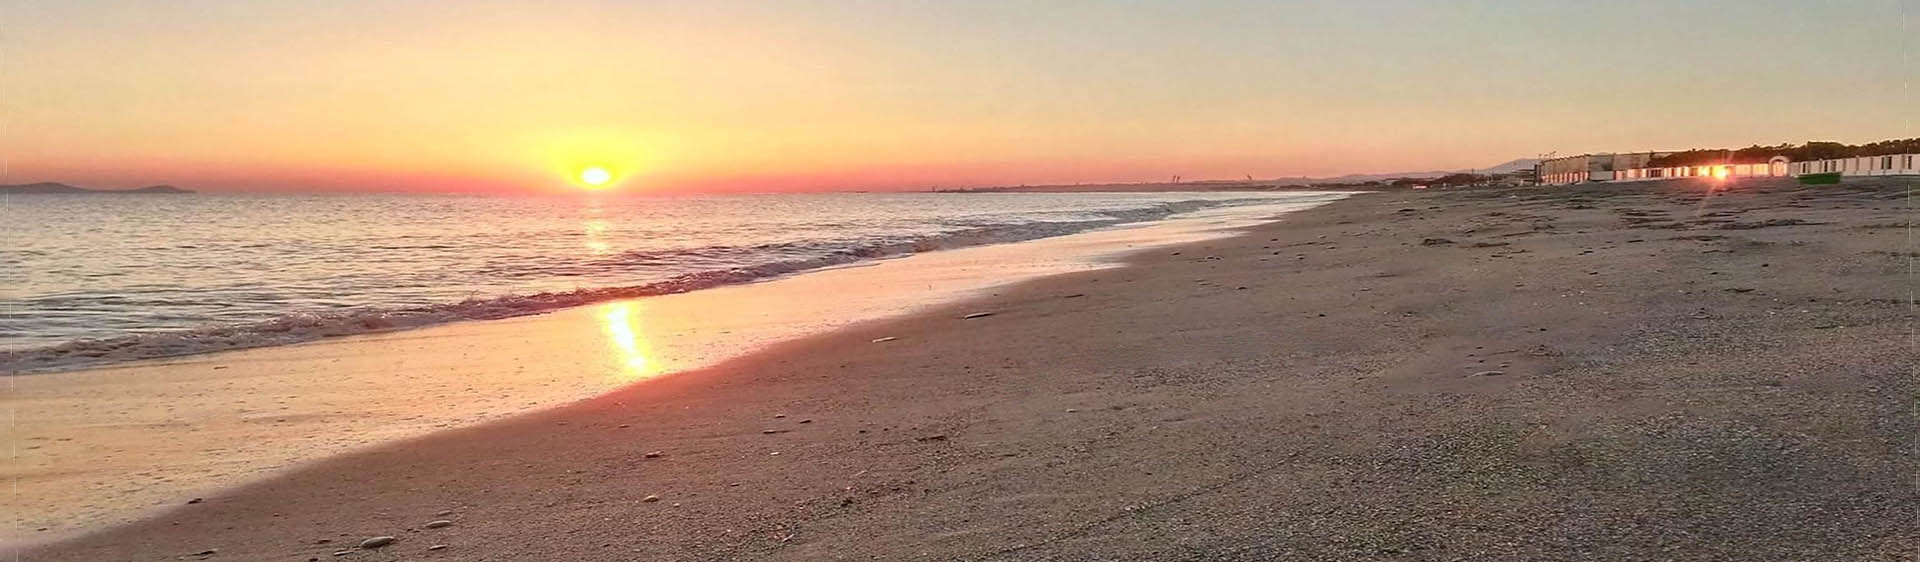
1636,371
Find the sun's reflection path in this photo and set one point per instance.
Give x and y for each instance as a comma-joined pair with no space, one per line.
596,237
634,355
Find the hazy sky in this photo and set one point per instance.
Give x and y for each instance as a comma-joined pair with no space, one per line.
469,95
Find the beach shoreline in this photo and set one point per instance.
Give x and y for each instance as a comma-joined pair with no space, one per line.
1609,372
103,445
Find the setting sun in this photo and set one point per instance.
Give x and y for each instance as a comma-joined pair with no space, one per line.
595,176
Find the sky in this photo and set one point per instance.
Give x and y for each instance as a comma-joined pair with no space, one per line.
481,96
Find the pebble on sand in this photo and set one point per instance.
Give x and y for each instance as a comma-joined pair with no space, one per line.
884,340
377,542
207,552
437,547
650,498
1489,373
976,315
654,454
443,513
439,524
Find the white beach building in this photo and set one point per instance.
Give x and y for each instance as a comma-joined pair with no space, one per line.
1883,165
1633,167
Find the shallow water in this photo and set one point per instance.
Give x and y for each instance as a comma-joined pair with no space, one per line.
93,279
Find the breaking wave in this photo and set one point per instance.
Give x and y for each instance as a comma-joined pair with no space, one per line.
780,259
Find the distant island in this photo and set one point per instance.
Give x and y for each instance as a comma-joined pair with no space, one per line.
51,187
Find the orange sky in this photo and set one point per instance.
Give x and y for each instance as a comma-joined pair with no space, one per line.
770,96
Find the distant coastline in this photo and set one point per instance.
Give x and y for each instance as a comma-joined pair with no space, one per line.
61,188
1501,174
1133,187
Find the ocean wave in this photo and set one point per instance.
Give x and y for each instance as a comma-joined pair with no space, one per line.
308,326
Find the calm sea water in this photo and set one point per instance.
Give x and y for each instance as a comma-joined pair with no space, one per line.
95,278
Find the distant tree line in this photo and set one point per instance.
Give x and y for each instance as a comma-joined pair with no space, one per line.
1812,150
1442,181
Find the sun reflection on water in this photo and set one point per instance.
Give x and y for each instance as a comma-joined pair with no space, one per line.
596,239
622,321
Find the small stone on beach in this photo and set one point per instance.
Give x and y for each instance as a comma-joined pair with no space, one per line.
439,524
1489,373
650,499
884,340
976,315
377,542
654,454
437,547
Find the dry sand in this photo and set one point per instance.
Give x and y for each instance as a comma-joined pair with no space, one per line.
1637,371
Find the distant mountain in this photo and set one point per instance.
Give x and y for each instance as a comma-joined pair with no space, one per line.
51,187
1510,166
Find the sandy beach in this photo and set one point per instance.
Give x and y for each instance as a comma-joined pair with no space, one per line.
107,445
1641,371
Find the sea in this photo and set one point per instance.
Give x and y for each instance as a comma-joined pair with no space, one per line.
91,279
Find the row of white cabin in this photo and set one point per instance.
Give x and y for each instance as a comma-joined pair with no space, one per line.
1632,167
1777,166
